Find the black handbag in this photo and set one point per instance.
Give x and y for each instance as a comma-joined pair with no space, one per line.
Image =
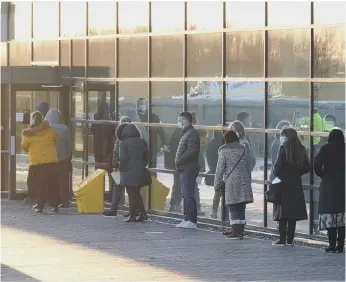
222,185
273,195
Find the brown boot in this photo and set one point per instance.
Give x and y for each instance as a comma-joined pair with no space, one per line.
241,229
236,232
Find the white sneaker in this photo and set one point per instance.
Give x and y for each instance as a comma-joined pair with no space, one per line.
188,225
180,224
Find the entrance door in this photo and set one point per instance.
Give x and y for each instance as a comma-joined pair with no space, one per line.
27,101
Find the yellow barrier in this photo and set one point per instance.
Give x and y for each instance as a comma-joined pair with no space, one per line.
159,193
89,194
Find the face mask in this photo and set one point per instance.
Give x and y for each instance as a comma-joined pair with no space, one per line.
282,140
180,123
142,108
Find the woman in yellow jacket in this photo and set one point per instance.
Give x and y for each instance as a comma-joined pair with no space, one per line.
40,141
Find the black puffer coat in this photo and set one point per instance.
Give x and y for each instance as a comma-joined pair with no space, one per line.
292,204
329,164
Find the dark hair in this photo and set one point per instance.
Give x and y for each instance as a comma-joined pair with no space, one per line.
230,136
140,100
119,130
295,150
242,116
238,127
37,118
187,116
336,136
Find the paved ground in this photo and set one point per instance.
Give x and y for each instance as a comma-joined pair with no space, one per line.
72,247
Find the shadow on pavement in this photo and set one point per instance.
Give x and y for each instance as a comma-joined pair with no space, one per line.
10,274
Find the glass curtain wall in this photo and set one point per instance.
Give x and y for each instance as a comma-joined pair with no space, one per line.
263,63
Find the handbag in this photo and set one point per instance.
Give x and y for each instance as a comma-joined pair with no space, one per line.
273,195
222,186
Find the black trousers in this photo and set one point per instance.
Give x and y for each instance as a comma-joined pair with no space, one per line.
30,183
135,201
44,177
336,235
63,170
287,228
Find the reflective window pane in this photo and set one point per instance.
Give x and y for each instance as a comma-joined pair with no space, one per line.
204,15
204,55
245,102
245,14
133,57
45,19
46,51
20,54
19,20
245,54
329,52
131,95
65,58
167,100
73,18
204,100
167,56
133,17
78,58
289,101
167,16
3,61
289,53
102,17
288,13
101,58
329,103
329,12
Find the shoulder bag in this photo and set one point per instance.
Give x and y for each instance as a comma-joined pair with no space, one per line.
222,184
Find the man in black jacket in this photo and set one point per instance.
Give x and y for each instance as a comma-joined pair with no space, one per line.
186,162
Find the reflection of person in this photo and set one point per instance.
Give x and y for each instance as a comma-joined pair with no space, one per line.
156,132
318,124
40,141
292,162
118,195
329,122
133,159
329,164
186,162
234,167
245,119
43,108
64,150
133,115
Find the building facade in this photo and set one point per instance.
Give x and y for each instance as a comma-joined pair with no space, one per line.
266,63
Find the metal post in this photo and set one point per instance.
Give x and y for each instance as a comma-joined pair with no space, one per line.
150,100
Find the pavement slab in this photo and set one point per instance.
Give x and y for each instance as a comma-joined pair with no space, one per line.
73,247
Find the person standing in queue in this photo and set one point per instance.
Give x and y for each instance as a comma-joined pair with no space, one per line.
64,150
40,141
186,162
291,164
133,159
329,164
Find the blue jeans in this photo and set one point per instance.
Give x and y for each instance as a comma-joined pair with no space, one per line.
188,188
237,213
117,197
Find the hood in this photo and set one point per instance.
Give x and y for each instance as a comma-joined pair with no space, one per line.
130,131
53,116
43,108
33,131
125,119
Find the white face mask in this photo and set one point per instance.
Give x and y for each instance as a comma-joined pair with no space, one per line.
180,123
282,140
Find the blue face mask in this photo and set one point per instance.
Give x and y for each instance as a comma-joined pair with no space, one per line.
282,140
142,108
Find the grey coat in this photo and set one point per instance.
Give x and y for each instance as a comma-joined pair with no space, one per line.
238,184
188,150
133,157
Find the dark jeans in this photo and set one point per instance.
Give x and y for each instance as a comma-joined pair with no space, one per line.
135,201
63,170
336,235
118,197
237,213
287,228
176,191
188,187
45,181
30,183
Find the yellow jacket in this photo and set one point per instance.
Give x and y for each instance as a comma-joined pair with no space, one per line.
41,142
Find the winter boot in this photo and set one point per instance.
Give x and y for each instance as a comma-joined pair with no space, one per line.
332,240
341,240
236,232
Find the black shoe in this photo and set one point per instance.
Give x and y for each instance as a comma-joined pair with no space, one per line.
142,217
330,250
38,210
55,210
130,219
128,214
234,236
339,250
110,213
279,243
66,206
34,206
